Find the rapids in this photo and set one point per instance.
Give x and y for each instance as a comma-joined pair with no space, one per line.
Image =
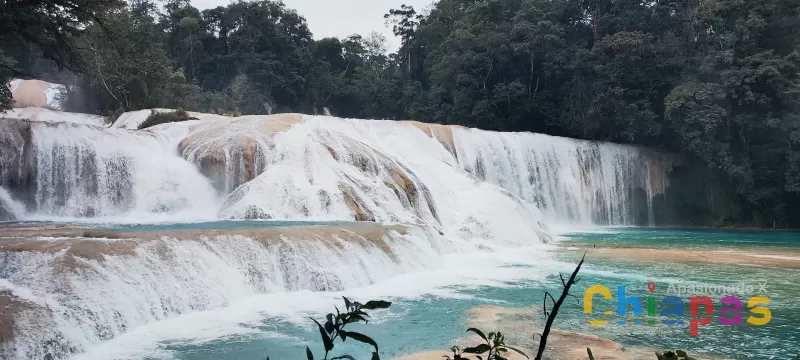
427,190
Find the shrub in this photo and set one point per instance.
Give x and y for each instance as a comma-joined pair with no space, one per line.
334,327
156,118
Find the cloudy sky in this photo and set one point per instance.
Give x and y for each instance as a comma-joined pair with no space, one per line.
339,18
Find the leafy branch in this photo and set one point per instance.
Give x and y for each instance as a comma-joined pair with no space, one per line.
494,347
334,327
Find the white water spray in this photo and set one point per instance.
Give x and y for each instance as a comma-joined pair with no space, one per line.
572,181
15,209
85,171
463,191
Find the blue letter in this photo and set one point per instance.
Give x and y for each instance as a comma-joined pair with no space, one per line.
676,310
623,302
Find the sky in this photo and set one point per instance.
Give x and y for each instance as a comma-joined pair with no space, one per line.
340,18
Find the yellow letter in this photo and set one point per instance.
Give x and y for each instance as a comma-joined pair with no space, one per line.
587,301
759,310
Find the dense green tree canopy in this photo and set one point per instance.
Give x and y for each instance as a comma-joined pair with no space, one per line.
715,80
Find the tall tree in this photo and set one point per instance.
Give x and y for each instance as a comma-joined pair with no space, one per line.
51,27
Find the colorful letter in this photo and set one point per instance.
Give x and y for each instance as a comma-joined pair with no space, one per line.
623,302
676,310
756,300
587,301
694,303
737,308
651,309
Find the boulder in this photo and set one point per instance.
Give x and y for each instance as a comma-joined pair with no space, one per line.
30,93
409,190
229,151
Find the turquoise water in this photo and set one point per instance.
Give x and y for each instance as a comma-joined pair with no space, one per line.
677,238
437,322
779,339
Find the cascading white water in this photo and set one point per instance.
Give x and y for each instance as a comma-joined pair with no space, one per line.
72,302
86,171
14,208
463,190
572,181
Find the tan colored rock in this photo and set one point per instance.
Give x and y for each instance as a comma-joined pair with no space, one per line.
227,150
97,244
30,93
359,213
408,189
442,133
471,341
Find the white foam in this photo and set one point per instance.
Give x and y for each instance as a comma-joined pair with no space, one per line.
15,208
40,114
572,181
86,171
782,257
456,272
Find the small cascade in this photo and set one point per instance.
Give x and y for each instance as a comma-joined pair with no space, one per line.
10,209
85,171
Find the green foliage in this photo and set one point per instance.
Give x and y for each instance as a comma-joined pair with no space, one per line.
50,29
334,327
157,117
589,351
717,81
6,98
6,101
494,347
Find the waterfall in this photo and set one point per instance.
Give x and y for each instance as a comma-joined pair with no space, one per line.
418,191
86,171
571,181
322,167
